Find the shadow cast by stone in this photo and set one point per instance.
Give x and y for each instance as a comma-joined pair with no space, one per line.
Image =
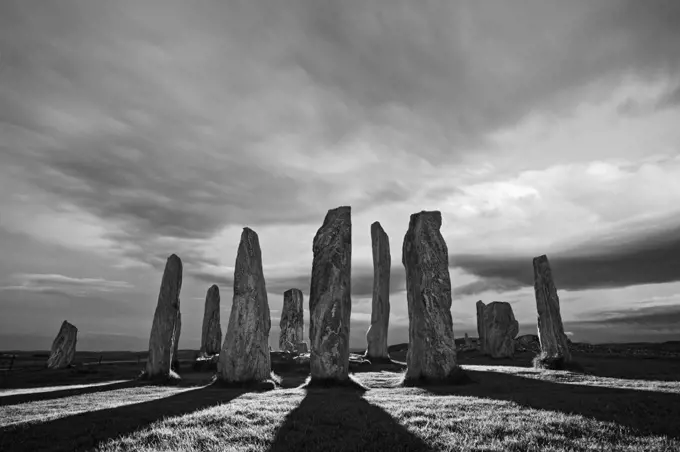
457,377
87,430
61,393
328,383
340,419
646,412
543,361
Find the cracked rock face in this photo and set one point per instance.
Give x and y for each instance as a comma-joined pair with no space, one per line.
376,337
432,350
63,347
330,304
163,329
245,352
211,334
550,329
500,329
292,322
480,325
175,337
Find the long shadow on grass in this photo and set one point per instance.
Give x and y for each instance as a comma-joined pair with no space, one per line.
59,393
87,430
646,412
337,419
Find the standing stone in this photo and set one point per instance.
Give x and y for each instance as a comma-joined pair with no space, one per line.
330,303
161,342
376,337
63,347
292,321
432,349
211,334
480,325
500,329
175,341
468,341
245,353
550,330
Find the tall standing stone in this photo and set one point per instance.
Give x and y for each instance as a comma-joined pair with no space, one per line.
376,337
550,329
63,347
432,350
163,329
500,329
292,321
211,334
480,325
245,352
330,303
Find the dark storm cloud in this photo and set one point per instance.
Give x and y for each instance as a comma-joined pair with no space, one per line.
614,262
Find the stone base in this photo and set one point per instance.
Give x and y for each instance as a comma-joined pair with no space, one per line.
171,378
378,359
545,362
457,377
325,383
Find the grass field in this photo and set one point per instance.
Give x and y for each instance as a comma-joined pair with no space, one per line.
616,405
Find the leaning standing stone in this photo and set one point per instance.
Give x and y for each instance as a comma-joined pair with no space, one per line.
550,329
211,334
161,343
63,347
292,321
432,351
330,304
380,313
245,352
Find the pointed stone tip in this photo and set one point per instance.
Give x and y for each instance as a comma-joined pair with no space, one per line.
173,258
214,287
541,258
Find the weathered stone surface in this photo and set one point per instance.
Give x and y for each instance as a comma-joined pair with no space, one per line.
432,349
211,333
550,328
63,347
292,320
480,325
245,354
527,342
500,329
330,304
175,342
301,347
376,337
161,343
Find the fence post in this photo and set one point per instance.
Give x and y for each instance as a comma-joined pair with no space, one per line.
100,360
11,363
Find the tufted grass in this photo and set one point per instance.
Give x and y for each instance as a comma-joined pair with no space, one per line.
503,408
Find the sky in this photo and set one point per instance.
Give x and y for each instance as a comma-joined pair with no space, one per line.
132,130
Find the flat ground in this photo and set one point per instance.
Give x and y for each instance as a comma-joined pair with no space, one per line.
617,404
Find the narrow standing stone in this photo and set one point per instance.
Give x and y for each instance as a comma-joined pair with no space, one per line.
550,329
376,337
480,325
432,350
161,343
211,334
292,321
330,303
245,352
63,347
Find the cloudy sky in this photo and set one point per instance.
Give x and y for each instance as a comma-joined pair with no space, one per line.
131,130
